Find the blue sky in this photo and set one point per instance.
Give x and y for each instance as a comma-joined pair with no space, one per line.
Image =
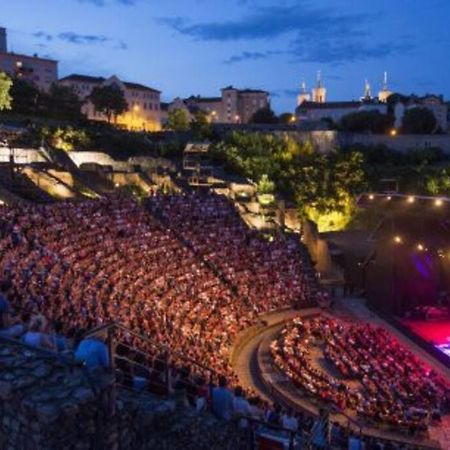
185,47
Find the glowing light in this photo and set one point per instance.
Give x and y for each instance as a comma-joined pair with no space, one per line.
398,240
116,185
393,132
420,247
388,197
411,199
438,202
371,197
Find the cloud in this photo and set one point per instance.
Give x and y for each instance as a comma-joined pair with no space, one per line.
339,50
314,34
72,37
42,35
246,56
82,39
267,22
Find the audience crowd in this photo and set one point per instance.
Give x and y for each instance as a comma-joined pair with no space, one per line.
376,377
189,282
184,271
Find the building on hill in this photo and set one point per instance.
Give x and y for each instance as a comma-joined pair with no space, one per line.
312,111
435,103
234,106
319,92
384,93
144,106
319,108
41,72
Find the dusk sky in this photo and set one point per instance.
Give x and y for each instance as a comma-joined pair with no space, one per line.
185,47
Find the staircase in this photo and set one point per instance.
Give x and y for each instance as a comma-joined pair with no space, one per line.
91,180
19,184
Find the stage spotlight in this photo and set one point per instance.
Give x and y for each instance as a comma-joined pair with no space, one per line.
438,202
420,247
411,199
398,240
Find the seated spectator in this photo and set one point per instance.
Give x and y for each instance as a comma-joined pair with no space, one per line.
222,400
36,335
59,341
8,327
289,420
93,352
241,406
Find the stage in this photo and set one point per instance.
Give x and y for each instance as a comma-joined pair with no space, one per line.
435,332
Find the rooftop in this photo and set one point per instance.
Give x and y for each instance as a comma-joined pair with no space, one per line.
330,105
90,79
245,91
20,55
198,99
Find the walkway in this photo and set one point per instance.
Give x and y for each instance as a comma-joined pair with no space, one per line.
253,364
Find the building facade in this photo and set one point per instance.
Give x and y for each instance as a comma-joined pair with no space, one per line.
233,106
41,72
335,110
144,105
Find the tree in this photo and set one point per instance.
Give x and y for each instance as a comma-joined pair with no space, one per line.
264,116
109,100
27,98
63,102
418,120
287,118
200,126
178,120
5,87
265,186
364,121
66,138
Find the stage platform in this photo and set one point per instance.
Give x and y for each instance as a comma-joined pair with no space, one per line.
434,332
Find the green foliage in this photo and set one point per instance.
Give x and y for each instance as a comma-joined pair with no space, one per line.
418,121
135,191
108,100
27,99
178,120
264,116
63,102
367,121
286,118
66,138
200,126
265,186
5,87
319,184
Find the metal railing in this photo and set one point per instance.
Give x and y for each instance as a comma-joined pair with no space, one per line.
141,364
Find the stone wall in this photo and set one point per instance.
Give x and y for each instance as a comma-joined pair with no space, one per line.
46,404
103,159
22,155
400,143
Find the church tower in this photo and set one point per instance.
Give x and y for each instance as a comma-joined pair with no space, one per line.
367,92
319,93
385,92
3,46
304,96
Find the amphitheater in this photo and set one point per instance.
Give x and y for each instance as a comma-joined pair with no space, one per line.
180,292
